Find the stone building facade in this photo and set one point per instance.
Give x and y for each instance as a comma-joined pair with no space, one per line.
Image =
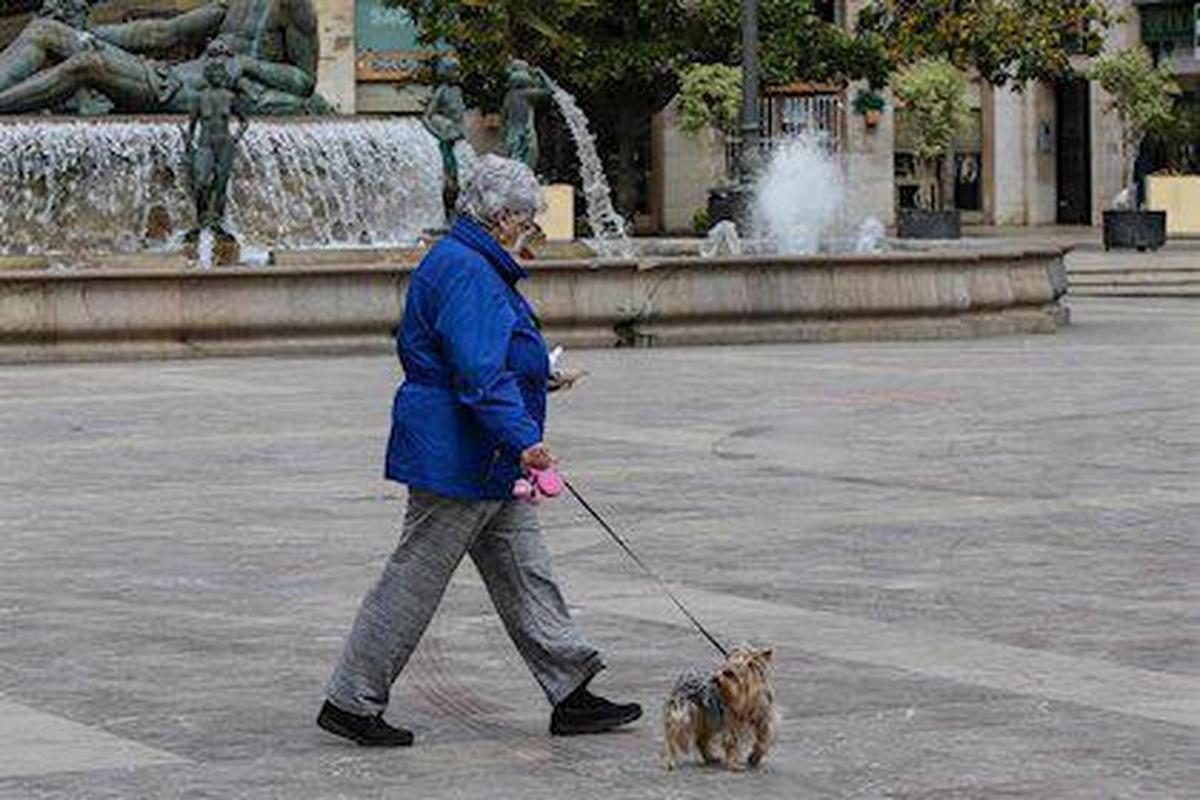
1042,155
1038,154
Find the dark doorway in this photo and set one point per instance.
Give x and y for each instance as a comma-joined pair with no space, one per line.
1074,148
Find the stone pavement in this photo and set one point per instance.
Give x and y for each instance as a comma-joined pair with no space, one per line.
977,559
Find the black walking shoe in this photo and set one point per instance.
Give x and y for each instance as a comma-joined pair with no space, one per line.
584,712
366,731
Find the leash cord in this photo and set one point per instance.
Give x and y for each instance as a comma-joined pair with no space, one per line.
637,560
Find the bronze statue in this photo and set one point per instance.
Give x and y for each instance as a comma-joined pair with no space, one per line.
57,55
444,119
209,156
526,85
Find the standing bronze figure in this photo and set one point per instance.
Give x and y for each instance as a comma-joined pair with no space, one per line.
444,119
526,85
209,155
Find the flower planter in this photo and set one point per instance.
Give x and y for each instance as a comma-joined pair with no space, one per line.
873,117
1179,196
1140,230
917,223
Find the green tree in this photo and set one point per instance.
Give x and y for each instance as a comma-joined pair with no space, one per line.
710,95
1142,96
623,59
1001,40
933,92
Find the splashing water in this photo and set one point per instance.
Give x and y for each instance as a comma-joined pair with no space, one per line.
204,248
798,198
607,225
722,240
871,234
87,186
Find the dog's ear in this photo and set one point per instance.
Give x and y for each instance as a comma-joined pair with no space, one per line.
767,654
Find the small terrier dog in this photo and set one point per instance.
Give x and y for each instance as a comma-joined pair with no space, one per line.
718,713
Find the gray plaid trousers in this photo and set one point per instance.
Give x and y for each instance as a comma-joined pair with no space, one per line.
504,540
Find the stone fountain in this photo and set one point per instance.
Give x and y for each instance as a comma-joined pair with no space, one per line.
119,183
302,180
73,186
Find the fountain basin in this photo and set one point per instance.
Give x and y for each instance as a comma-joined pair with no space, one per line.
143,312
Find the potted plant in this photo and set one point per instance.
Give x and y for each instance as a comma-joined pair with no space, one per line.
1142,97
710,98
869,104
933,95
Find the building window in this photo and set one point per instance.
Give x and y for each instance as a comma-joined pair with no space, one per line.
817,115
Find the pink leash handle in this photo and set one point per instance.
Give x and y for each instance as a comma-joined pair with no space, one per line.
538,483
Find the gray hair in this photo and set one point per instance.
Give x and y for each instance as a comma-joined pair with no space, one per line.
496,185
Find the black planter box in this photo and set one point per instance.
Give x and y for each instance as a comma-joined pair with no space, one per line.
917,223
1141,230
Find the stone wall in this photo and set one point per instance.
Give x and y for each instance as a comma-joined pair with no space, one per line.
123,313
336,78
867,157
1020,171
685,167
869,153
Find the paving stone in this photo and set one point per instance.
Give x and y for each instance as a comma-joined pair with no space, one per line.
977,560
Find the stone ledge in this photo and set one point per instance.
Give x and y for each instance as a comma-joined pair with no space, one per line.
337,308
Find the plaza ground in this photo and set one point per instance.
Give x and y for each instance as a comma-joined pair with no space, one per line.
976,559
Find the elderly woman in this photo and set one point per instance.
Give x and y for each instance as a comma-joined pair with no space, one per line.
466,423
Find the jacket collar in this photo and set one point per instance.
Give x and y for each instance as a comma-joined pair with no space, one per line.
472,234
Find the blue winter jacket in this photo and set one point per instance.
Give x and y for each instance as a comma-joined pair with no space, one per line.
475,372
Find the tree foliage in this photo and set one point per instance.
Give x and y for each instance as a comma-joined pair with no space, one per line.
934,94
1003,40
710,95
1140,94
597,45
624,59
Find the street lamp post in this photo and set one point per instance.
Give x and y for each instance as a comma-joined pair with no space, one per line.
732,201
747,160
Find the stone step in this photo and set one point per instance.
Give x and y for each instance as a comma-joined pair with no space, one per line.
1135,280
1137,271
1188,289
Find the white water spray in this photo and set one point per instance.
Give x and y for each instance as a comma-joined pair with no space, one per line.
607,225
83,186
205,247
799,197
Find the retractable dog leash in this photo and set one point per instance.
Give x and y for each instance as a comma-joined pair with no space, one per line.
549,483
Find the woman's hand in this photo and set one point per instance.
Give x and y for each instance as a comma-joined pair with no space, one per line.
537,457
563,379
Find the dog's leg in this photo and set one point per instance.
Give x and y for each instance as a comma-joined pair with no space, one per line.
705,745
731,745
704,742
678,740
672,751
764,737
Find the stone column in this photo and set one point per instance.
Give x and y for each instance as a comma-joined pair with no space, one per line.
336,79
868,153
1005,153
